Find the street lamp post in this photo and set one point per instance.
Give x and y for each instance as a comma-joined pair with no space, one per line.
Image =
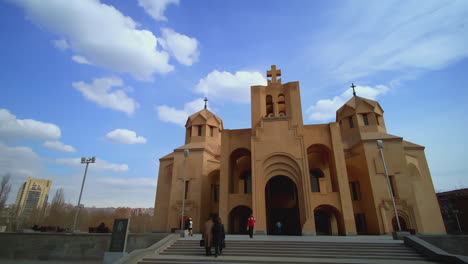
87,161
186,153
456,212
390,191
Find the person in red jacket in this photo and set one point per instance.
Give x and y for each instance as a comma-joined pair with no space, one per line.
250,225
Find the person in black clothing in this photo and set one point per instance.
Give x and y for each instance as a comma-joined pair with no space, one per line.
218,236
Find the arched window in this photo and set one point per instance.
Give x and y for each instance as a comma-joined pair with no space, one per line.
269,105
281,105
240,171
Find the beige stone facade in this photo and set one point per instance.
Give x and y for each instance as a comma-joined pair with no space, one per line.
325,179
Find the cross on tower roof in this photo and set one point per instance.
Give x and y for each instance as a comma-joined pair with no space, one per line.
353,86
273,73
206,100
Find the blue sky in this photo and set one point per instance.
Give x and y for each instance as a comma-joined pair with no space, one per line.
117,80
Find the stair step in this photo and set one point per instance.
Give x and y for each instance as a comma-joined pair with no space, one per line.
300,250
294,242
314,255
226,261
183,247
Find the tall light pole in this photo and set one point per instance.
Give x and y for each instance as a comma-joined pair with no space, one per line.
390,191
186,153
87,161
456,212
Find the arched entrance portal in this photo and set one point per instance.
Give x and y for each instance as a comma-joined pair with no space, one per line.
328,221
282,205
403,225
238,219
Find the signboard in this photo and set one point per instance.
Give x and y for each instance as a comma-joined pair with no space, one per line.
119,235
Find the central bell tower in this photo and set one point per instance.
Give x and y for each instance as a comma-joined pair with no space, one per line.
276,100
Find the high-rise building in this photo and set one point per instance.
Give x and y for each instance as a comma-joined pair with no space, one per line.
31,195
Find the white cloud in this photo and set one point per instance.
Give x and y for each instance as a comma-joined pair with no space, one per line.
393,36
179,117
80,59
125,136
19,162
226,86
100,92
100,165
126,182
57,145
60,44
102,34
22,162
325,109
156,8
182,47
134,192
13,128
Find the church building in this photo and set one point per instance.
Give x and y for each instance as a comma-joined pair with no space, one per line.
323,179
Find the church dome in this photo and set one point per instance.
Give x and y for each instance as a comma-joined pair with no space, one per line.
360,115
203,126
358,105
204,116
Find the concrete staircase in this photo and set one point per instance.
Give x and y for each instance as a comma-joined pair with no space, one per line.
189,251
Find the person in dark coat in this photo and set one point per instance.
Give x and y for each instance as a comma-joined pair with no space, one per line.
218,236
207,235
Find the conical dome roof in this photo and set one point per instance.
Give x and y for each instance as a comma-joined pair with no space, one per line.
359,105
206,115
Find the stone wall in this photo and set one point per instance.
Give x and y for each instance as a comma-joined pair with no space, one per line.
453,244
84,247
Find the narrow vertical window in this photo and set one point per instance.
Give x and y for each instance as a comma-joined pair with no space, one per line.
361,225
246,176
281,105
355,192
211,131
365,119
315,176
351,123
215,191
186,189
199,131
377,119
269,105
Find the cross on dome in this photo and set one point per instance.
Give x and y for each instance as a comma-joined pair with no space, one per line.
353,86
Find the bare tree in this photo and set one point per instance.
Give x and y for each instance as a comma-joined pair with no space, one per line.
58,214
58,201
5,188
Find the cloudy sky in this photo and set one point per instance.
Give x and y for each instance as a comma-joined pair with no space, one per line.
117,80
